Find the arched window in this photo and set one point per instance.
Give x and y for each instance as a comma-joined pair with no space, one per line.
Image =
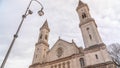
84,15
55,66
46,37
89,33
59,66
63,65
51,66
82,63
96,56
90,36
87,28
40,36
68,64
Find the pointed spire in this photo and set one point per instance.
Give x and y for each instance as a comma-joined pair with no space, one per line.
45,26
81,4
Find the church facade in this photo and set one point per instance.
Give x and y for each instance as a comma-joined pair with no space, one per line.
65,54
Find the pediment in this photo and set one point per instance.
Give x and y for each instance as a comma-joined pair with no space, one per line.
62,49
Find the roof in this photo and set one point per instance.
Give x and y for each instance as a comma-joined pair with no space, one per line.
81,4
45,26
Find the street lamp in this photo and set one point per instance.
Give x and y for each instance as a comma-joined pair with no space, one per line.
27,12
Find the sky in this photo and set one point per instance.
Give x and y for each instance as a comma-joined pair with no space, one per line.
63,21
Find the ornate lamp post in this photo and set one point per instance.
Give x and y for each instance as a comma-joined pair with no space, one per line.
27,12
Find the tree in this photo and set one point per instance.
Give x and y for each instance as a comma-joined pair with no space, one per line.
114,51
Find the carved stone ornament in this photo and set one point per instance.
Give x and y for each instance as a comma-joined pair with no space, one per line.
59,52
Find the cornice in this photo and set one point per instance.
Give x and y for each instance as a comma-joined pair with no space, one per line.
87,21
58,60
94,48
42,42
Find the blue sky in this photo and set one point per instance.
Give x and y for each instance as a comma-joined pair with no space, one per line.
63,21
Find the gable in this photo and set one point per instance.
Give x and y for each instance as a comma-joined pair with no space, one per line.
61,49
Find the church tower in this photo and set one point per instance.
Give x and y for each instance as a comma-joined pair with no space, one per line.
88,26
95,52
42,47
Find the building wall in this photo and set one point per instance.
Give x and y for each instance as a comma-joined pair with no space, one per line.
97,57
68,49
93,32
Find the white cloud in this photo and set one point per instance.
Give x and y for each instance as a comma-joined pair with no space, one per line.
63,21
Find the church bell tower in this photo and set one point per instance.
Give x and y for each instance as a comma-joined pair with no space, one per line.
95,50
42,47
88,26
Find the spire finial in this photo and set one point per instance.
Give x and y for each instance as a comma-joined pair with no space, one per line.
59,37
73,41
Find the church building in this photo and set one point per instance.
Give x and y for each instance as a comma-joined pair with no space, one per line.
65,54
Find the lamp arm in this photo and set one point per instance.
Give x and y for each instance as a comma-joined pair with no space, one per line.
39,3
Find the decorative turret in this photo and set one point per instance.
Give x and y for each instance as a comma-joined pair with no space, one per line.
42,45
88,26
44,32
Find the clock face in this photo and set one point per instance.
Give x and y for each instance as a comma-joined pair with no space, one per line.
59,52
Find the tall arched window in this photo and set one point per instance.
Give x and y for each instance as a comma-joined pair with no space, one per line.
46,37
68,64
51,66
59,66
96,56
55,66
90,36
82,63
84,15
40,36
63,65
